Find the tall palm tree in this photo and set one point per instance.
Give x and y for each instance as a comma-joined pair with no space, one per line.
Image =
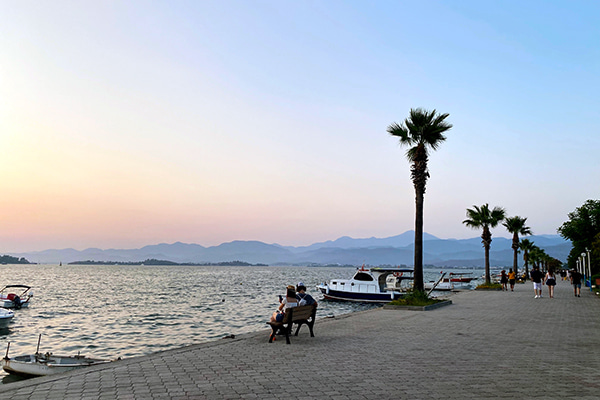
526,245
516,226
483,217
421,131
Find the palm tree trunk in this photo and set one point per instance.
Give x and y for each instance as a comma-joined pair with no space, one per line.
486,239
515,246
418,267
488,278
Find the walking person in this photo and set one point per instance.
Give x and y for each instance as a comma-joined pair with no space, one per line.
550,280
512,279
576,282
536,276
504,280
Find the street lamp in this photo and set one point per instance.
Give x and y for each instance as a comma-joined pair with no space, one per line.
589,265
585,275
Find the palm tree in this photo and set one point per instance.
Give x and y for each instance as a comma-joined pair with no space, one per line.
421,131
526,245
536,256
516,225
483,217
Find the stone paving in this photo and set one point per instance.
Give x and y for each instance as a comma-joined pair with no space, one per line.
485,345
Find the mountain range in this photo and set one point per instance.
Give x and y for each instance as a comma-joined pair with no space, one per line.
394,250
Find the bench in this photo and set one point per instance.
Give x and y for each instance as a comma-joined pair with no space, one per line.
295,315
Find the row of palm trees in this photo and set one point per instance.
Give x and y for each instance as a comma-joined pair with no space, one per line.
422,132
485,218
537,256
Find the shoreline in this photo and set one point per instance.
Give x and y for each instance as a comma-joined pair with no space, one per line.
484,345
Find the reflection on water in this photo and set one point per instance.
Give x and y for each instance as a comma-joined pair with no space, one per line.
126,311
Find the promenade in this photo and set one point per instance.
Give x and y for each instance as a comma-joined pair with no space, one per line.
485,345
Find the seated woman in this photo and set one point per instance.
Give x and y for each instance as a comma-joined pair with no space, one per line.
288,302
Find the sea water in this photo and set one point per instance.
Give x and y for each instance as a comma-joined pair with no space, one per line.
112,311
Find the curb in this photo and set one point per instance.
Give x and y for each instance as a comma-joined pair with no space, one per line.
418,308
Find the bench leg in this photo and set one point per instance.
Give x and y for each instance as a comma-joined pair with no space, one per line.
298,329
288,330
310,327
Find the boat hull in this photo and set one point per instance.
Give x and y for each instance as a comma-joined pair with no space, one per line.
31,365
4,303
332,294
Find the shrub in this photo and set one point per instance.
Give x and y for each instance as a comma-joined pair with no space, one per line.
415,298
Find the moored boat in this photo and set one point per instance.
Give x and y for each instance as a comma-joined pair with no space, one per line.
454,281
46,364
15,296
5,317
373,285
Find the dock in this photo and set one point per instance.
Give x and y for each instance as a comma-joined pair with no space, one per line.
486,345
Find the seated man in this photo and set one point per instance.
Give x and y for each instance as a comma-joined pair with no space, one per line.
304,299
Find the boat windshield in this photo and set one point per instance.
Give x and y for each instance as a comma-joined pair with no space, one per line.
362,276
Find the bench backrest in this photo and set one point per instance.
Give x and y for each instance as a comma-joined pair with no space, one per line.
298,313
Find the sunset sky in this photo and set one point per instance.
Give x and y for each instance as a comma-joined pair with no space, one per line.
128,123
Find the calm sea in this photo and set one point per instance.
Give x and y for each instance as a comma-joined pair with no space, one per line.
127,311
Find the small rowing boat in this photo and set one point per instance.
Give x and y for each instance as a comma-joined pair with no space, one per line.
46,364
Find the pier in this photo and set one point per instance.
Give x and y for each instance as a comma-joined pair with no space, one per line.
486,345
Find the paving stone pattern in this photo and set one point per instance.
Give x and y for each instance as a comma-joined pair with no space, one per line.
487,344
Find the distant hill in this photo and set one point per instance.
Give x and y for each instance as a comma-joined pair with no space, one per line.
393,250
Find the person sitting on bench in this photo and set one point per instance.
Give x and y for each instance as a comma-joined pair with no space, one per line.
288,302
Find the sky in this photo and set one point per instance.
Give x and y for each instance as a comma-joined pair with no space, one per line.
129,123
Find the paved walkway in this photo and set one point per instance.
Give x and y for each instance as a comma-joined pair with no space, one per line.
485,345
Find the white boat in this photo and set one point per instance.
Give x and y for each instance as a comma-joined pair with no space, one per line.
373,285
46,364
454,281
5,317
15,296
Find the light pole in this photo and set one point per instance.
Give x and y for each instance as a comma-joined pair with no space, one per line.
585,275
589,265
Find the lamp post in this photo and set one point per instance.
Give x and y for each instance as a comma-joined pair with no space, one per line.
589,265
585,275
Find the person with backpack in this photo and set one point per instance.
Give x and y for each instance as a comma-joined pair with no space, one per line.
304,299
576,282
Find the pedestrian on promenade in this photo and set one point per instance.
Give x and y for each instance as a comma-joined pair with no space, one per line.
304,299
576,282
288,301
504,280
536,276
550,280
512,279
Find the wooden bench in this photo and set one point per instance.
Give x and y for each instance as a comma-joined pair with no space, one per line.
295,315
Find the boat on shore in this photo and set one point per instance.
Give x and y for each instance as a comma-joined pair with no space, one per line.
372,285
5,317
46,364
15,296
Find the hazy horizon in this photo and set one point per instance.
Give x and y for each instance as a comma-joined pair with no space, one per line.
124,124
270,243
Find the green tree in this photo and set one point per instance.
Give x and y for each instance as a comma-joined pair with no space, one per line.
516,226
537,257
483,217
581,230
421,131
526,246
